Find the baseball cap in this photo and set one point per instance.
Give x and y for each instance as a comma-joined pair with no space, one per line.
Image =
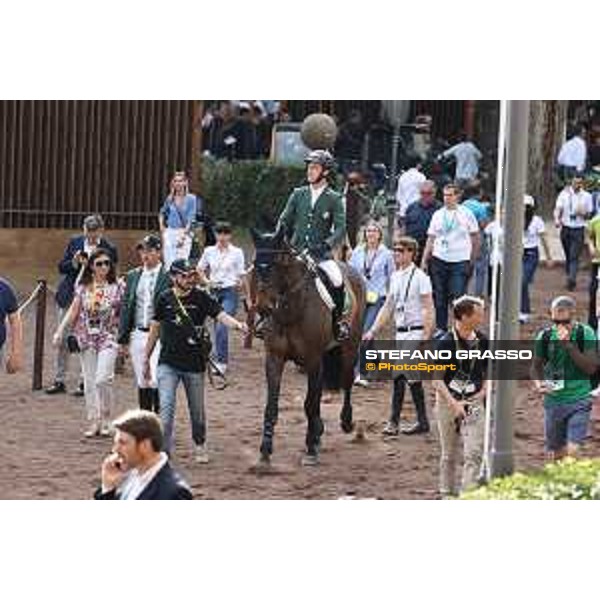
181,266
563,302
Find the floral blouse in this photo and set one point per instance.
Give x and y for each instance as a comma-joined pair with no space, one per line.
98,322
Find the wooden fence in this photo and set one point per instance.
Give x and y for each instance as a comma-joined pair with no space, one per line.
62,160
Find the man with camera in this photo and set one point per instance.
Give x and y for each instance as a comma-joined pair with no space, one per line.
178,321
70,267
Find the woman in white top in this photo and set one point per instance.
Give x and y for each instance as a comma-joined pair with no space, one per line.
222,268
535,232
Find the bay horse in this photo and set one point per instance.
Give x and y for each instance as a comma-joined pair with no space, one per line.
301,330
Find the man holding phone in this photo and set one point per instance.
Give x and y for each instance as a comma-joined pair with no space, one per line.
136,469
565,359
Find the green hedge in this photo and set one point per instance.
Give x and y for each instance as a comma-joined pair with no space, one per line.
244,192
566,480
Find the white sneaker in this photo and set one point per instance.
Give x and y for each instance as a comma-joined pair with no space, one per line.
361,382
524,318
201,454
222,367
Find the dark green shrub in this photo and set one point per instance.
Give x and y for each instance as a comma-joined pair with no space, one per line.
247,192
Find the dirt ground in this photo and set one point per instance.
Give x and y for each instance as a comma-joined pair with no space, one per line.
45,456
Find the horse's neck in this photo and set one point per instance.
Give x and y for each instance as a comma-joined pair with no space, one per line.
291,281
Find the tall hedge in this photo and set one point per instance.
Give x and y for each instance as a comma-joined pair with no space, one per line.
247,193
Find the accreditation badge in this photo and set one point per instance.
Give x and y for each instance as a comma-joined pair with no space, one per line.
372,297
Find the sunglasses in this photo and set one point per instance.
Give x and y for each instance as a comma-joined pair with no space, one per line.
102,263
401,250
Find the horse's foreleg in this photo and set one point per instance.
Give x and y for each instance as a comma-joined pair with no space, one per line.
312,409
274,370
347,379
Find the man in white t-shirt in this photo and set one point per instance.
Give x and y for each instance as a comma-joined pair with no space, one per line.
572,156
409,300
222,268
409,189
574,206
452,247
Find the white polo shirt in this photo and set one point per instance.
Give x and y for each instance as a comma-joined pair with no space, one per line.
225,266
452,230
407,286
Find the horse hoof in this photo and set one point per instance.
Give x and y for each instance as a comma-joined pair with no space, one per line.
347,427
262,466
310,460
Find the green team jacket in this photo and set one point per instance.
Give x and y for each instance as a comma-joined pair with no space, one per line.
313,228
127,320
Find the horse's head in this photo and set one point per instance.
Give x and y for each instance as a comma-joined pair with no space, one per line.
272,259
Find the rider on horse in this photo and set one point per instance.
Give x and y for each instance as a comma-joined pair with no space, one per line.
314,220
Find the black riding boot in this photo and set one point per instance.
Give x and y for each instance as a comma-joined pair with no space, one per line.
398,392
340,327
422,424
154,400
143,399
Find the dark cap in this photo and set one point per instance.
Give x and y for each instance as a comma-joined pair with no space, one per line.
149,242
181,266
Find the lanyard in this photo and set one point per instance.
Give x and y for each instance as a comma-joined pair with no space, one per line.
368,266
401,308
449,224
473,360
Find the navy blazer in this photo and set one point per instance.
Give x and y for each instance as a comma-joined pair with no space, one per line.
166,485
66,287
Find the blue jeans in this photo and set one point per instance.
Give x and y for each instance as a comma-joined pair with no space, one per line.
479,282
449,281
572,243
228,299
566,423
371,312
531,258
168,381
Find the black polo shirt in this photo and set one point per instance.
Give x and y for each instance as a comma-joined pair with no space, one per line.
179,348
470,374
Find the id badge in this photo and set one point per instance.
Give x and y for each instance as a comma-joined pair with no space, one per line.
554,380
372,297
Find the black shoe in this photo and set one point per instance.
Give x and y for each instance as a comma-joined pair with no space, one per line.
58,387
79,393
415,429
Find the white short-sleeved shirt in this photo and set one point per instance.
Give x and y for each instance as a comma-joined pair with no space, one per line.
225,267
531,237
452,230
569,201
407,286
409,189
494,231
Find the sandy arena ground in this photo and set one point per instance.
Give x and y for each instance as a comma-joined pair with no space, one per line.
45,456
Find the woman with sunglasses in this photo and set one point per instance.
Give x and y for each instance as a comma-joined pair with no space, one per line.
375,263
94,314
